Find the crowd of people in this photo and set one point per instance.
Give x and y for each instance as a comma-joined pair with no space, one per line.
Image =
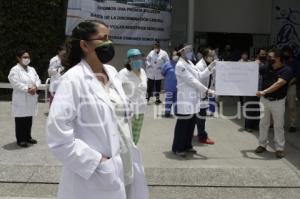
96,113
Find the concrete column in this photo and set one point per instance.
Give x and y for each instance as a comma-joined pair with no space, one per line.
190,27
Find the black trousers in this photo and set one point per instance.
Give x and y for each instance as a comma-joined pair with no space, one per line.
183,134
23,128
200,122
153,88
251,116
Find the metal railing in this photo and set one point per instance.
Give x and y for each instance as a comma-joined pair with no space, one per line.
43,87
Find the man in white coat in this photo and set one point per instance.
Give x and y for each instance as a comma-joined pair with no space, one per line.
155,61
207,80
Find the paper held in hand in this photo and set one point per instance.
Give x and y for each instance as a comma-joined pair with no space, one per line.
237,78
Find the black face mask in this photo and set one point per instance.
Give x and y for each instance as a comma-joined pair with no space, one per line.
262,58
105,52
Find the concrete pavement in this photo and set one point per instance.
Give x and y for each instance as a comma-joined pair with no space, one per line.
228,169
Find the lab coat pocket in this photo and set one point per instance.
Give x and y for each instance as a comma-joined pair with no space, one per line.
138,189
106,176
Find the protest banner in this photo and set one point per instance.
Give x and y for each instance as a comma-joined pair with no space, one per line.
135,22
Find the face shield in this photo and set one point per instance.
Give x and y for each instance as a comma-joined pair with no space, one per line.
187,52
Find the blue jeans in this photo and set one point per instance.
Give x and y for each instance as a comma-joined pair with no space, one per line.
212,104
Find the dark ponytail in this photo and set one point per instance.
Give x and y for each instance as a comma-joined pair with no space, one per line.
83,31
127,65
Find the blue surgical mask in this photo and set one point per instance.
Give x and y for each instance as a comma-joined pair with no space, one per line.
137,64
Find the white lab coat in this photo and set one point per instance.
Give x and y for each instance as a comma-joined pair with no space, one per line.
54,71
155,63
189,88
81,128
204,79
135,88
23,103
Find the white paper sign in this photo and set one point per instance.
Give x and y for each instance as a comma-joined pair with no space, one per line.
237,78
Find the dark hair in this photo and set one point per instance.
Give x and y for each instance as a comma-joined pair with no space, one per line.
245,53
264,49
179,47
20,53
127,65
156,44
205,52
277,53
83,31
60,48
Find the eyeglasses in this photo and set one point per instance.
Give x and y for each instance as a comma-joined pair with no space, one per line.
104,38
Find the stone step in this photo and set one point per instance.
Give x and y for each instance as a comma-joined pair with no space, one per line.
48,191
211,177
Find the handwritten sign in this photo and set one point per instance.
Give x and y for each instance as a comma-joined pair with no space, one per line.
237,78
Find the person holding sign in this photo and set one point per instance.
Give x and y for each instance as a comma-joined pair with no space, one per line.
275,81
189,89
207,80
251,103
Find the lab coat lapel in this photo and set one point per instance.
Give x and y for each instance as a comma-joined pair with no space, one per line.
95,86
113,78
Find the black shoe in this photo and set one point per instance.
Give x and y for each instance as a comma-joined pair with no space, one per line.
168,116
22,144
191,150
31,141
157,102
279,154
180,154
248,130
260,149
292,129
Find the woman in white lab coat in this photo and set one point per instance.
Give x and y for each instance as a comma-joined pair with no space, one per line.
24,81
55,71
88,126
134,80
189,89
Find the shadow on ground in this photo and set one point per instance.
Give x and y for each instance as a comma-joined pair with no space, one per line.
231,108
12,146
172,156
